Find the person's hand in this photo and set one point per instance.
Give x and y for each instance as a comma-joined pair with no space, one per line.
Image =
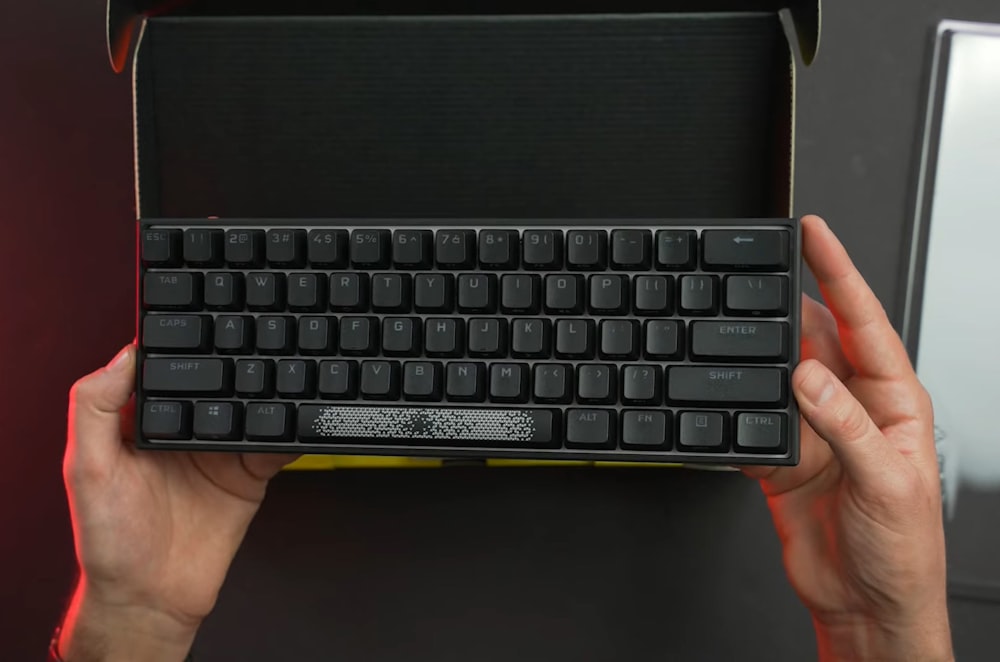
860,517
155,531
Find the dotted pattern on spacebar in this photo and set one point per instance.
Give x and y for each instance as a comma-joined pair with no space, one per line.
334,423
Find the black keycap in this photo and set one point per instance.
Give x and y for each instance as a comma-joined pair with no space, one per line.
170,333
218,421
487,337
552,382
675,249
306,292
509,382
255,378
730,385
619,339
296,379
519,294
761,432
756,295
161,247
349,292
477,293
751,250
663,339
609,294
530,338
542,249
244,248
286,248
169,290
646,430
348,424
233,334
391,293
359,336
575,339
327,249
203,247
370,249
466,382
739,340
191,376
590,428
266,291
275,335
434,293
641,384
654,295
564,294
703,431
630,250
444,337
380,380
596,383
422,381
455,249
224,291
338,380
412,249
698,295
499,249
587,250
166,420
401,336
270,421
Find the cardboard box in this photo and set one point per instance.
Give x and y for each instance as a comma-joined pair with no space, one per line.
462,109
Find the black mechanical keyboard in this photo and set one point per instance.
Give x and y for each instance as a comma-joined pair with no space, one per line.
651,341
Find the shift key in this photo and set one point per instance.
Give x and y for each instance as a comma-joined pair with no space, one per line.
727,385
187,376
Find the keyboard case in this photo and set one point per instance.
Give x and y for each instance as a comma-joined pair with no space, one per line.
451,109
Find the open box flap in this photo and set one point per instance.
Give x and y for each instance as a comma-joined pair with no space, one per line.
124,15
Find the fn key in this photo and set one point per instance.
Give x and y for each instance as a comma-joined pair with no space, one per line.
270,421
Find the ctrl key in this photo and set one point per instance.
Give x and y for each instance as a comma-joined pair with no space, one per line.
761,432
167,421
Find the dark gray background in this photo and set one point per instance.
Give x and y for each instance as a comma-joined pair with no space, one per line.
457,564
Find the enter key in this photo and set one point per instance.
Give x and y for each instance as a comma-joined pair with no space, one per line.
749,341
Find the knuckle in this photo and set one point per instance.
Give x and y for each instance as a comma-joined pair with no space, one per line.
85,389
851,421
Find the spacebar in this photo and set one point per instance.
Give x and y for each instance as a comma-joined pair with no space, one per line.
339,424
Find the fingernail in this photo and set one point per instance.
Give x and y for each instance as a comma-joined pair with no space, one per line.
121,359
817,386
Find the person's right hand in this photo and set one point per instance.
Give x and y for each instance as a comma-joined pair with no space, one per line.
860,517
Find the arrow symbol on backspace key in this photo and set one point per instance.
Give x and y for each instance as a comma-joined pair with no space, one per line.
743,240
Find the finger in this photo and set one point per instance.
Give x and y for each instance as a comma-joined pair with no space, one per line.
94,434
814,457
838,418
869,341
820,340
265,465
127,422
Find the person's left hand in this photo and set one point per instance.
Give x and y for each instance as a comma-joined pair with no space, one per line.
155,531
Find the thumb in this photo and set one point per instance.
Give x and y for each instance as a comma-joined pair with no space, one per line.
843,422
95,403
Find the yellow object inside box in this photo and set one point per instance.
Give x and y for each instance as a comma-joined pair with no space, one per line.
329,462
